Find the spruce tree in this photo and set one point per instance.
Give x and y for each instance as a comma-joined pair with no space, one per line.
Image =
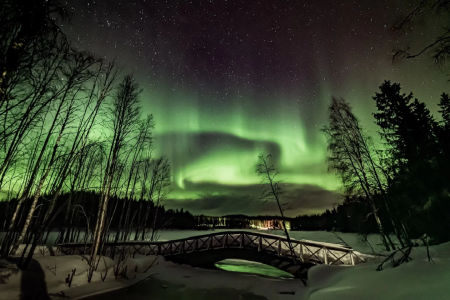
409,133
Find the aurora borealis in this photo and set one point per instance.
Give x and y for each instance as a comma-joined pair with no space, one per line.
228,80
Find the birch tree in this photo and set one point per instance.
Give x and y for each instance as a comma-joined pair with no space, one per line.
266,170
124,119
159,188
74,74
350,158
103,79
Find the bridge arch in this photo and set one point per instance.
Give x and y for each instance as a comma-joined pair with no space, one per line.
209,259
205,250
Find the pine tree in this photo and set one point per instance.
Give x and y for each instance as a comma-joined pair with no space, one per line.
409,133
406,126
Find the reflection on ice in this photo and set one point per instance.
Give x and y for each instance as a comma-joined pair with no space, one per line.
245,266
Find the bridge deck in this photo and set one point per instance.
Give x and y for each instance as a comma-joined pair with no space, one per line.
304,251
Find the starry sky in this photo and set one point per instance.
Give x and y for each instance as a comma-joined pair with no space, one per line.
227,80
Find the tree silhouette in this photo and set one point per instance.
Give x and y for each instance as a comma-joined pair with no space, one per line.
353,160
63,157
123,122
414,156
25,26
267,172
439,47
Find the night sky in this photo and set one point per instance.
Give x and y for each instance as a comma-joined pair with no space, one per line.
228,80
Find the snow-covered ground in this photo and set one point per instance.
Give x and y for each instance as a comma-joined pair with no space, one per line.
417,279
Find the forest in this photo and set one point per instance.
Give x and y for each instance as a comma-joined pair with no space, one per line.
401,176
73,139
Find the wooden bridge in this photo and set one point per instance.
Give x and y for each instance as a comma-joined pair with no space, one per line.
205,250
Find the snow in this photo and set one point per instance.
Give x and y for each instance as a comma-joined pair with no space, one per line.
153,277
48,274
417,279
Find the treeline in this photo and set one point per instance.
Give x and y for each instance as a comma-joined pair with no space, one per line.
404,179
350,216
137,225
353,215
240,221
69,123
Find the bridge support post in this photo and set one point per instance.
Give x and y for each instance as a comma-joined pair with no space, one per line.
279,247
325,255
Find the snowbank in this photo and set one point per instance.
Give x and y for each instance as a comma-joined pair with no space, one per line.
47,275
417,279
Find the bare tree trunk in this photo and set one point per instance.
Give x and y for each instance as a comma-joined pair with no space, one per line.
126,114
269,173
36,197
347,146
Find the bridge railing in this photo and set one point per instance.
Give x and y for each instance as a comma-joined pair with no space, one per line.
304,251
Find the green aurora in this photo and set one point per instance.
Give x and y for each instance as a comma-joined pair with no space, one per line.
222,146
227,81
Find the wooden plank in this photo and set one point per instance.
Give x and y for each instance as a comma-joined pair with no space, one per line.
338,258
227,239
268,236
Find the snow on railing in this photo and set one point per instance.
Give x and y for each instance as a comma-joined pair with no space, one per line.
304,250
